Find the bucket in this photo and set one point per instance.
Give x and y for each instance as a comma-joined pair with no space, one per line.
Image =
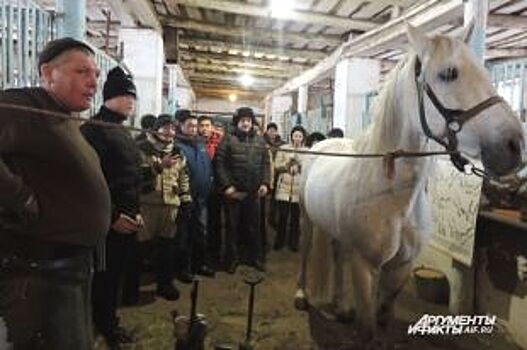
431,285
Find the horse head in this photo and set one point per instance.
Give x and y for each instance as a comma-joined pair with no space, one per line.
458,105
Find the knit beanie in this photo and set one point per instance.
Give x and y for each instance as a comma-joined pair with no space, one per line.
162,120
56,47
118,83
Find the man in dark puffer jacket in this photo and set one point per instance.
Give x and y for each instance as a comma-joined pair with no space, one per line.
120,162
243,170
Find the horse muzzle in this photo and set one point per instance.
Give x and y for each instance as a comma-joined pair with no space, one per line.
503,157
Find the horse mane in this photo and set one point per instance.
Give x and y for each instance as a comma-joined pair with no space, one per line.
385,128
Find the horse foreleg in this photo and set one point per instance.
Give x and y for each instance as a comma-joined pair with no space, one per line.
338,275
392,280
306,229
364,279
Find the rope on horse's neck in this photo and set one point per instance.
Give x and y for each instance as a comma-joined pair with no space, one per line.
387,156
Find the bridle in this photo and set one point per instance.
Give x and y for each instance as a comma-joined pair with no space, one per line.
454,118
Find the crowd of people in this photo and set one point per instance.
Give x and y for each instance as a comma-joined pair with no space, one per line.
190,195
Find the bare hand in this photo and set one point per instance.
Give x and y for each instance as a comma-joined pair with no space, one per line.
168,161
521,262
139,220
125,224
262,191
17,217
294,169
230,191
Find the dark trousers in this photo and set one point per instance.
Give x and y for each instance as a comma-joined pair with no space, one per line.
199,224
263,226
288,213
164,256
120,250
215,229
243,240
191,239
138,253
45,304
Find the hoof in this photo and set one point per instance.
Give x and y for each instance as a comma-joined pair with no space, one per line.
345,316
301,304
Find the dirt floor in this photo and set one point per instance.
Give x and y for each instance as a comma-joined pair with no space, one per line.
277,324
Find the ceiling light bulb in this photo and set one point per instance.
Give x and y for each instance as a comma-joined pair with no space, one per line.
246,80
282,8
233,97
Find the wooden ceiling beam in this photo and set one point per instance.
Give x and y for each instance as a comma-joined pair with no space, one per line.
427,15
295,16
251,34
252,50
225,92
197,84
240,61
499,53
507,21
190,67
233,78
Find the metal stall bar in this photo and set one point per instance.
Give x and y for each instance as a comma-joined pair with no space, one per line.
522,91
24,44
33,45
3,43
17,40
9,44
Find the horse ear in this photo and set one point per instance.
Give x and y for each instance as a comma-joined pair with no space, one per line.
418,40
468,31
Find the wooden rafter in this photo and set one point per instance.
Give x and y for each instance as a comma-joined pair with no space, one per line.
265,50
224,92
197,84
507,21
241,61
427,15
253,34
233,78
221,68
297,16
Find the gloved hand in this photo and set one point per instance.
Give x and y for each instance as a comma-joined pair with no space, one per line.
20,214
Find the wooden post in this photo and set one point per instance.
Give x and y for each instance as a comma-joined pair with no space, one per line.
478,11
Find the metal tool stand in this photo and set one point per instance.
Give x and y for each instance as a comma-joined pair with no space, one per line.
252,280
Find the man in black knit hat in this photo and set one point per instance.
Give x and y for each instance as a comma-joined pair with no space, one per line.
120,161
54,205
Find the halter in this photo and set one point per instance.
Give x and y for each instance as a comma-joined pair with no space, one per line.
454,118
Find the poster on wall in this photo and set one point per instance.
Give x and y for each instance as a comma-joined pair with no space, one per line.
454,198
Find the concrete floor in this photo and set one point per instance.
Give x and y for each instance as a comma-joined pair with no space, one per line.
277,324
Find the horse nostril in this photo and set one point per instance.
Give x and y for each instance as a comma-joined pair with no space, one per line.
514,147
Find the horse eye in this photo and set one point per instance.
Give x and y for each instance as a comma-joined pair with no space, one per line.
449,74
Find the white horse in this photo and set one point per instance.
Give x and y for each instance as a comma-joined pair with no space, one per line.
378,217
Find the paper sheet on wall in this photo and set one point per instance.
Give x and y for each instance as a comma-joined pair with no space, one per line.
455,202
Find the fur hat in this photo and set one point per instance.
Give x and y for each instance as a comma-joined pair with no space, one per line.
118,83
56,47
182,115
243,112
162,120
